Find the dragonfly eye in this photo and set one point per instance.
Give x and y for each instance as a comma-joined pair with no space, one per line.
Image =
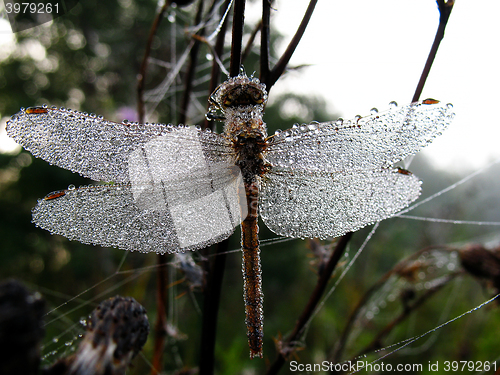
228,100
257,97
243,95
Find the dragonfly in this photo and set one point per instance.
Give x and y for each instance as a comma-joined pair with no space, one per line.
174,188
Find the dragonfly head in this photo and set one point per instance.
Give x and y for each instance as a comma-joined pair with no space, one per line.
239,93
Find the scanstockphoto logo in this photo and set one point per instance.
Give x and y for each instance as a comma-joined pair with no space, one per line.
23,15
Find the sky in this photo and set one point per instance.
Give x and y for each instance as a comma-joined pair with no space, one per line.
367,53
364,54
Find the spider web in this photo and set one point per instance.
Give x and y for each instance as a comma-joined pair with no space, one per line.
435,265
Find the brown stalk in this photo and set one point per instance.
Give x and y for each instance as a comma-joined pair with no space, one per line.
249,45
161,278
191,69
215,270
237,37
215,73
211,309
445,8
160,332
282,63
144,64
264,42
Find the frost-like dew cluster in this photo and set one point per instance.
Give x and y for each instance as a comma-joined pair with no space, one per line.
93,147
202,194
372,142
179,188
107,215
319,204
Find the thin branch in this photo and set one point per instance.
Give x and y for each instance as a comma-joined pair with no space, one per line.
144,65
215,269
445,8
161,315
211,309
190,73
249,45
161,293
318,291
280,67
238,24
215,73
264,41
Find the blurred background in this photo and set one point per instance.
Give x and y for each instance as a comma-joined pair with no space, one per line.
352,58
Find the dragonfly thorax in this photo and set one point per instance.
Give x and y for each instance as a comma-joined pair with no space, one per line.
246,121
249,149
241,101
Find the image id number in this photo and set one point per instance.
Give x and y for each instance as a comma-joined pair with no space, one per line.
31,8
469,366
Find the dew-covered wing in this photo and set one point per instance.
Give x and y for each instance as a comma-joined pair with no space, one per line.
378,140
319,204
101,149
167,219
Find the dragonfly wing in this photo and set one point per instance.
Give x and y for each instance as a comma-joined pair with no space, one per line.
175,220
379,140
102,150
318,205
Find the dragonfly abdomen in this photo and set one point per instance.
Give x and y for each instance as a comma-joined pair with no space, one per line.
252,273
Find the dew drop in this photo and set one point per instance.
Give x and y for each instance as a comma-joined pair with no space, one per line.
68,343
373,111
449,106
209,56
71,187
55,339
393,105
